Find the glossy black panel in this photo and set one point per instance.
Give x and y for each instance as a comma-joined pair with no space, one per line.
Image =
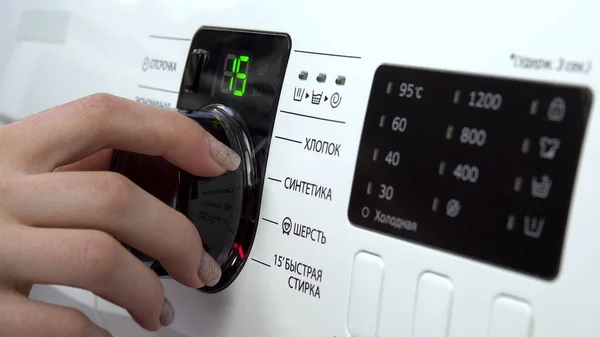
242,70
478,166
260,60
231,87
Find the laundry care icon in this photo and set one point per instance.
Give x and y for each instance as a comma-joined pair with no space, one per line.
316,98
533,226
299,94
540,188
548,147
557,109
286,226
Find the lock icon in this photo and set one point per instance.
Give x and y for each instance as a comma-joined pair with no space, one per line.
557,109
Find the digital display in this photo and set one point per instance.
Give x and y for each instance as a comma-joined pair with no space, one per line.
478,166
235,74
241,69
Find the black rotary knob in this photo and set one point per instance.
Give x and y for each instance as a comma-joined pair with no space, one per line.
222,208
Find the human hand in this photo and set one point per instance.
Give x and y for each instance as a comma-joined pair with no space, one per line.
61,213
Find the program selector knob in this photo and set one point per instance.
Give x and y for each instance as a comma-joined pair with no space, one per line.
222,208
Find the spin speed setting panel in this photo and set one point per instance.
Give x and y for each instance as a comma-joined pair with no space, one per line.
481,167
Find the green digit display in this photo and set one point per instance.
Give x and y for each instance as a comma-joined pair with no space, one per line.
235,74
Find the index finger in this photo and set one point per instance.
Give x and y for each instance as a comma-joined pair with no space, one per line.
73,131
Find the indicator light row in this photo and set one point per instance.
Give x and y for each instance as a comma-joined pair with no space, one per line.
321,78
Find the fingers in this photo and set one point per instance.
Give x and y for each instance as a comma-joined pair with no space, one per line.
111,203
22,317
84,259
73,131
99,161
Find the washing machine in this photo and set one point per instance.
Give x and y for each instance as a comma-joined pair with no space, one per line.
409,168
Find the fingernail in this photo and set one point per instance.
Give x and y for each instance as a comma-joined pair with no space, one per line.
210,271
222,154
167,315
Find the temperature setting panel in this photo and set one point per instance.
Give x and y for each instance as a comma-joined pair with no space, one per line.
481,167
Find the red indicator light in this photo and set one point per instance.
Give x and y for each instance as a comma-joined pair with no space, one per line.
239,249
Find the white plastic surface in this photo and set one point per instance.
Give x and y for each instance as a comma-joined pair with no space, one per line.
432,307
365,295
510,317
104,50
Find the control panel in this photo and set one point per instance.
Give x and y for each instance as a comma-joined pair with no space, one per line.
479,166
230,86
428,171
378,190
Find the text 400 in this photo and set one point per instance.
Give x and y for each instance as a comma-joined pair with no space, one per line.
466,173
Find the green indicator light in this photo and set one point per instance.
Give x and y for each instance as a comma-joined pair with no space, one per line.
449,132
235,63
239,71
240,75
219,124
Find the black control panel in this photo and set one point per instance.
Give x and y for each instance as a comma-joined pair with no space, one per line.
230,86
478,166
241,69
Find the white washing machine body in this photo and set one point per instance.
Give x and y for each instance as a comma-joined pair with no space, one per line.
413,153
